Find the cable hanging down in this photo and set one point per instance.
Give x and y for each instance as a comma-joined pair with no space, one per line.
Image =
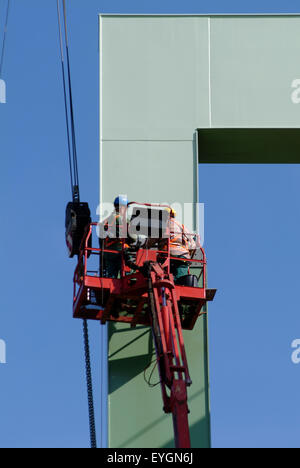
74,177
4,37
89,385
68,98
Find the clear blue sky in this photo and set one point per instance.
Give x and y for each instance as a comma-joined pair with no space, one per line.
252,241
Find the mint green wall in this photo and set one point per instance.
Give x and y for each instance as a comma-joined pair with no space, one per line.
165,76
161,78
148,150
136,417
157,171
254,61
154,74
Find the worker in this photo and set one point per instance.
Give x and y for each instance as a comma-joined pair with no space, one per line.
115,232
182,247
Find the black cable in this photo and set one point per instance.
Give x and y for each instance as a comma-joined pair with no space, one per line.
69,108
148,380
75,162
4,37
89,385
65,96
74,176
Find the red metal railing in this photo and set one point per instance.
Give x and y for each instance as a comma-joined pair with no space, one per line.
162,256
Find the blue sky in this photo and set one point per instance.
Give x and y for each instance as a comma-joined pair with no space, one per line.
254,262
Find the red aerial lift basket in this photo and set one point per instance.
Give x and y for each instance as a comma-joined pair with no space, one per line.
126,299
145,294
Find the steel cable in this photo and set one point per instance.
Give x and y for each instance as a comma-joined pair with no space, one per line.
4,37
89,385
69,108
74,176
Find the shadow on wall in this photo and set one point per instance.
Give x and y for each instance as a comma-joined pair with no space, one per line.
128,368
199,436
249,146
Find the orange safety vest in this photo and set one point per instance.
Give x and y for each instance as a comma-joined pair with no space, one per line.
181,241
114,228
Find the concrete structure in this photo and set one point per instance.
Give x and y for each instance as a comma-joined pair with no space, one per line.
175,90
